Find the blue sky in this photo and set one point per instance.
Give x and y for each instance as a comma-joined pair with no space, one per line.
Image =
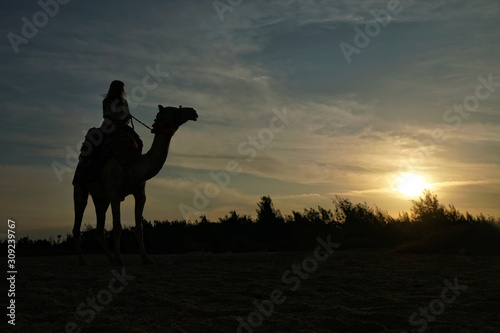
355,128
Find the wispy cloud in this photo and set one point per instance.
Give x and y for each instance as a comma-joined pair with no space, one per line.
458,183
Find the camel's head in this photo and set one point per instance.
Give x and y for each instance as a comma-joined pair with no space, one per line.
169,118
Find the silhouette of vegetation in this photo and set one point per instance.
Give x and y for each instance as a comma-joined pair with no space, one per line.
430,227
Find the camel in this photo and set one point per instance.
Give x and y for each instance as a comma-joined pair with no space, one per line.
117,182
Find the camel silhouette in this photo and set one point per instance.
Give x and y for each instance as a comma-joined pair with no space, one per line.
116,182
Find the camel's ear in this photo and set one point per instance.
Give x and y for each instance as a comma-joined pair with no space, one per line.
160,107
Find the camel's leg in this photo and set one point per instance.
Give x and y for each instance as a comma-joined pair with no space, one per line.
140,200
117,229
101,206
80,197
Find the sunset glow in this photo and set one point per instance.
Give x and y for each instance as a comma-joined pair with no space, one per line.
298,100
411,184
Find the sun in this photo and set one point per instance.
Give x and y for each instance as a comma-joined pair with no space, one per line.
411,184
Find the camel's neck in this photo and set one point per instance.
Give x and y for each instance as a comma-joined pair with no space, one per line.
149,164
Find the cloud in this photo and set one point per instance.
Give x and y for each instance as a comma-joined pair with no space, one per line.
459,183
357,123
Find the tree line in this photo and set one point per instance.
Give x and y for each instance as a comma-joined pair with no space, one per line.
429,227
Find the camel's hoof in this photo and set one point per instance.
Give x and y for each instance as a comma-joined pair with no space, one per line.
82,262
147,261
117,262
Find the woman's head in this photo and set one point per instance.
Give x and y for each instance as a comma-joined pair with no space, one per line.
116,91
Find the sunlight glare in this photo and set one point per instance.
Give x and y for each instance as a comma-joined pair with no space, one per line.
411,184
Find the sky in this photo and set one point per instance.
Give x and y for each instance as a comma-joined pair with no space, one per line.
298,100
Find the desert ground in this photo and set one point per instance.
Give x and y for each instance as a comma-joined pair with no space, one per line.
350,291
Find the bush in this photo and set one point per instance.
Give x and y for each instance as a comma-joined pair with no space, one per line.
431,228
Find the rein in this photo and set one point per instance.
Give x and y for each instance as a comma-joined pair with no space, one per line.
158,127
140,122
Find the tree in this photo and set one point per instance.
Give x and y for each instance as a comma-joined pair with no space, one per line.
357,219
266,212
429,212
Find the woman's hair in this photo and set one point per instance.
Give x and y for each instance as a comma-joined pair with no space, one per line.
116,91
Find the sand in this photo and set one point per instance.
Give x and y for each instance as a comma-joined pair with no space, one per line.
350,291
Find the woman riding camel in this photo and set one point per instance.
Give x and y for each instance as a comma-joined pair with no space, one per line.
119,139
114,105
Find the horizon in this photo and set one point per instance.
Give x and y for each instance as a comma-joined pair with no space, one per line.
374,101
286,216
